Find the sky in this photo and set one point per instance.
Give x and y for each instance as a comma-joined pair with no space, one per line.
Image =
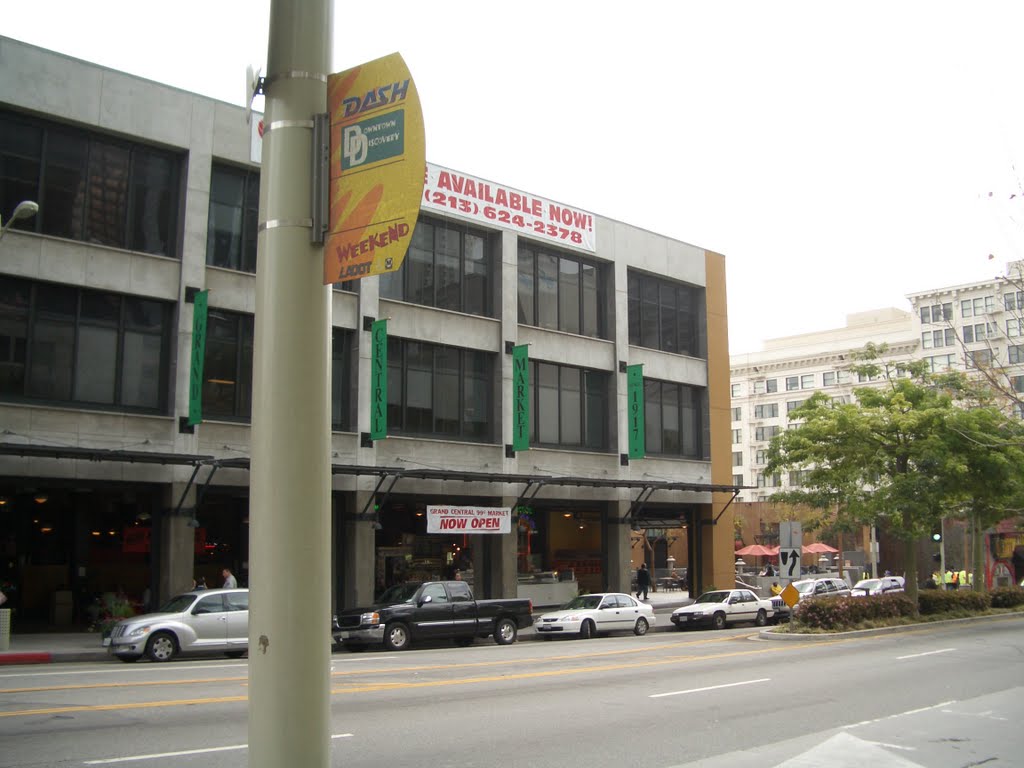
841,155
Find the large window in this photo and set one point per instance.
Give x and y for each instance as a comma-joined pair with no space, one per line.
64,344
562,292
675,422
89,186
227,367
448,266
234,215
439,391
343,389
570,407
667,316
766,411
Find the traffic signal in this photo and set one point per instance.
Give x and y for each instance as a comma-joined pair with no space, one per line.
937,536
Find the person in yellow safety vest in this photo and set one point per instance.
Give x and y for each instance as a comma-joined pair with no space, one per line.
947,577
963,578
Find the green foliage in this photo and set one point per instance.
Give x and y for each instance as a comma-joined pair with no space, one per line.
846,612
1007,597
933,601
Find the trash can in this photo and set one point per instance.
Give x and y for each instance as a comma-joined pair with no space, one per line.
5,629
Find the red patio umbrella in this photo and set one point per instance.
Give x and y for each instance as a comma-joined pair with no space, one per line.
757,550
818,548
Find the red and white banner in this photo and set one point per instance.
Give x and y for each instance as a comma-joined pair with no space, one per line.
469,519
493,204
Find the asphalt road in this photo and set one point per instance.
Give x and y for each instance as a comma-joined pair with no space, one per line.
950,695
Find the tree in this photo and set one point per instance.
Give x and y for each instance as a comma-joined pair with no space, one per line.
885,458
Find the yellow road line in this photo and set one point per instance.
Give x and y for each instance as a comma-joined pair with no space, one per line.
372,687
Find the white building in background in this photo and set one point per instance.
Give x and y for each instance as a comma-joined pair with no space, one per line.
955,328
767,385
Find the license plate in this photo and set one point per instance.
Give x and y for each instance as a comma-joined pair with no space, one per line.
106,641
344,635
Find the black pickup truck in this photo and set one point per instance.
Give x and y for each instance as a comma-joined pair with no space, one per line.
431,610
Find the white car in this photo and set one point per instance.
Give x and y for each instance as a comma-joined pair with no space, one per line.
883,585
590,615
721,607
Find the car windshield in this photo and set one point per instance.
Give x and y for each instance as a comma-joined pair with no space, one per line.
804,587
177,604
713,597
400,593
867,584
584,601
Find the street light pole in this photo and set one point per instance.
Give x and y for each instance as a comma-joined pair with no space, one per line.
26,209
290,478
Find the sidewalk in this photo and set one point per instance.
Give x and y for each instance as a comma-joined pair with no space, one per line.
62,647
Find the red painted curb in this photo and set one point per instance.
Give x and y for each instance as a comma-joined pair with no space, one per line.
34,657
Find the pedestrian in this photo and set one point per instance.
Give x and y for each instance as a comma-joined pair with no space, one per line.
230,582
643,581
201,584
458,575
776,589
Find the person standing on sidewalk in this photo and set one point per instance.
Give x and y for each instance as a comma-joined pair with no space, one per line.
643,581
230,582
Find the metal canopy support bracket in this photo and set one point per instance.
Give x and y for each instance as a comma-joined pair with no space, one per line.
735,493
380,482
524,497
638,505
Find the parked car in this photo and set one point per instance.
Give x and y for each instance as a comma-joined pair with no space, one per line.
883,585
431,610
209,620
722,607
594,614
824,587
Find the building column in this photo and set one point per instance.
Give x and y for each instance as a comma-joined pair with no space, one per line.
358,559
175,542
618,555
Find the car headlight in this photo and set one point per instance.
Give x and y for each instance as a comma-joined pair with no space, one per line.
139,631
372,618
571,617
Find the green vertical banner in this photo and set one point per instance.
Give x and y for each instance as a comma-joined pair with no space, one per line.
195,376
379,381
635,397
521,398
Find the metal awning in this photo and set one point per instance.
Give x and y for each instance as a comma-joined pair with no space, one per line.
533,483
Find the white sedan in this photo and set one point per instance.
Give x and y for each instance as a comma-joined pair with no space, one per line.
724,606
589,615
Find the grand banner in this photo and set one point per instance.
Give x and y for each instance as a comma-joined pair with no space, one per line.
376,168
494,204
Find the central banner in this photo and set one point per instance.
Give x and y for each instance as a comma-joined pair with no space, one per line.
377,159
469,519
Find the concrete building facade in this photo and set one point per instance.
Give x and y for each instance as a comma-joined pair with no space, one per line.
148,196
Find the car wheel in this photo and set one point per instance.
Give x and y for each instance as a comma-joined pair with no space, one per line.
396,637
505,632
762,618
719,621
162,647
587,630
641,627
235,654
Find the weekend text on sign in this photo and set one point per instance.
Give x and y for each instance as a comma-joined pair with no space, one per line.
443,519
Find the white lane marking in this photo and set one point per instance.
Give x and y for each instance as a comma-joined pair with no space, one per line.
185,752
900,714
926,653
709,688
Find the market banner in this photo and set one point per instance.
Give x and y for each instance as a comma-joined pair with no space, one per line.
377,156
195,379
379,380
442,519
521,398
635,398
486,202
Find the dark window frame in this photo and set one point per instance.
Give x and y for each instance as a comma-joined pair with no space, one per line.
402,354
241,246
678,327
33,318
692,440
398,285
592,417
111,213
590,288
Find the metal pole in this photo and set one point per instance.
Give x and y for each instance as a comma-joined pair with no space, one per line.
874,553
290,479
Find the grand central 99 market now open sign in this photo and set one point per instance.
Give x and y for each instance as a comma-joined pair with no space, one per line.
377,160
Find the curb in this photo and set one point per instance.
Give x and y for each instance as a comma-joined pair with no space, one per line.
770,634
27,657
